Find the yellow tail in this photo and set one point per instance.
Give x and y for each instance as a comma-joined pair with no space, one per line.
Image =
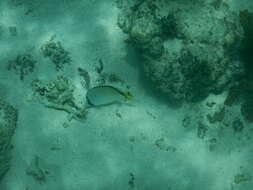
128,95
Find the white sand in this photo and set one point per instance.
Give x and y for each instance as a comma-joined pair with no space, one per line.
100,153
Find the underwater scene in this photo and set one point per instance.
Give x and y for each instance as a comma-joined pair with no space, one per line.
126,95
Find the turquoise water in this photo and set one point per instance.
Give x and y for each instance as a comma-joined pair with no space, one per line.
179,131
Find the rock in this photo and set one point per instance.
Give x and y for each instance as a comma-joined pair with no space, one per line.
8,122
184,51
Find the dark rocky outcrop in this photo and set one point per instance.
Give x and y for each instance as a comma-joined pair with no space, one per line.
188,47
8,122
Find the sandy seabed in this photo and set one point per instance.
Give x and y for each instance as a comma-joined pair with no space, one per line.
140,145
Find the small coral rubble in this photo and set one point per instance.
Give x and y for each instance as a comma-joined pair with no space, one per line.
36,171
57,54
237,125
242,177
217,116
22,65
58,94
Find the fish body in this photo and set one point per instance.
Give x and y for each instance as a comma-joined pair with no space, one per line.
106,95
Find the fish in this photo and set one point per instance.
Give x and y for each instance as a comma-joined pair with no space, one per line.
106,95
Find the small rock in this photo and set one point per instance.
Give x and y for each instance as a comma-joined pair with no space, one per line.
212,144
131,181
217,116
65,125
202,129
210,104
240,178
247,110
132,139
186,122
237,125
36,171
162,145
118,115
13,30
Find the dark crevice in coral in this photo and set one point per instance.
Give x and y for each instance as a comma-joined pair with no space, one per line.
246,85
136,55
198,78
169,26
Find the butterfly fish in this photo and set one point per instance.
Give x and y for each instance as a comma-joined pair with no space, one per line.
106,95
